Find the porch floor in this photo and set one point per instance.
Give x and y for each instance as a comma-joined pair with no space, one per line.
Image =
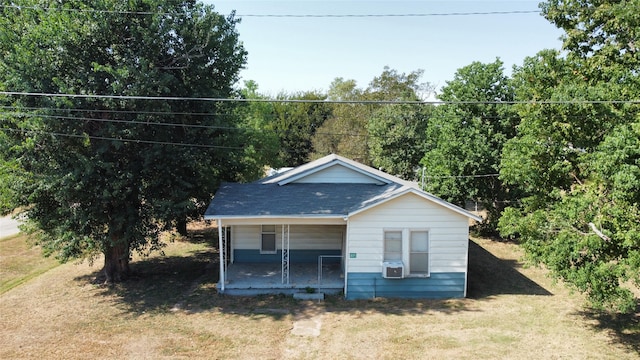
259,278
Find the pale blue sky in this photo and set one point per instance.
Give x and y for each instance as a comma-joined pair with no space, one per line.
300,54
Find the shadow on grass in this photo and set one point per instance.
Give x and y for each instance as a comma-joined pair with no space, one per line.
188,283
624,328
158,283
490,276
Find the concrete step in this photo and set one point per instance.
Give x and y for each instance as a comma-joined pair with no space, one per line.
308,296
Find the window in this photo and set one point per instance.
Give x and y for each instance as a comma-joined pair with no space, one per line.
268,241
392,245
419,253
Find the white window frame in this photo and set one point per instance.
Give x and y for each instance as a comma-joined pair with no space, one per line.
384,245
406,249
268,232
410,251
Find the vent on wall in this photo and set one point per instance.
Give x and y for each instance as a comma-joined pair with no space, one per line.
392,270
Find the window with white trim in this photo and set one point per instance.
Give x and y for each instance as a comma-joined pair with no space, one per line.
419,252
393,245
268,240
411,246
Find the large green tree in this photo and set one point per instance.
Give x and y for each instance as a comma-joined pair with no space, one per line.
397,138
396,132
465,138
295,120
363,126
262,144
576,152
106,174
344,132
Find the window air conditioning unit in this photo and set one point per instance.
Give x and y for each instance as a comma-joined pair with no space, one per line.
392,270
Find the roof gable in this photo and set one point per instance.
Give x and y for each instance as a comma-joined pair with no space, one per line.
336,173
333,169
383,198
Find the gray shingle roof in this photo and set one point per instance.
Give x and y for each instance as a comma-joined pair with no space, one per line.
306,199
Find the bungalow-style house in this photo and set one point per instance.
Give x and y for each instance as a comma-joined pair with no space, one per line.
335,225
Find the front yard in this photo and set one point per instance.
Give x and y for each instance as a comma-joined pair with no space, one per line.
172,311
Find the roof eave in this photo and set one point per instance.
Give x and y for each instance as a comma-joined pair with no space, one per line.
283,216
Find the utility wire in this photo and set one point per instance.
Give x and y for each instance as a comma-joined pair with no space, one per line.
134,122
17,110
369,102
127,12
150,123
84,136
510,12
198,146
109,111
461,176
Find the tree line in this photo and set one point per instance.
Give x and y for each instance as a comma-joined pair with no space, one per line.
551,151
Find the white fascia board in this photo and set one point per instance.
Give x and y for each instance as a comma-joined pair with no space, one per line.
215,217
283,220
423,195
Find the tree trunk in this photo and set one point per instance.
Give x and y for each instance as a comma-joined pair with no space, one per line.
181,227
116,261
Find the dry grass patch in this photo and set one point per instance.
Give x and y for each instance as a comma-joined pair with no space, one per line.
172,311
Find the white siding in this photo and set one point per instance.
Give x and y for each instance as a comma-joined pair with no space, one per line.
448,233
301,237
338,174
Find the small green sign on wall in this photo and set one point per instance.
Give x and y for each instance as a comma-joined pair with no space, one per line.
352,255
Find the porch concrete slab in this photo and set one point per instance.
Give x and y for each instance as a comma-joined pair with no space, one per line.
260,278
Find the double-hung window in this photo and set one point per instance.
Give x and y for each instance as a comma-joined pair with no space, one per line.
393,245
268,239
418,253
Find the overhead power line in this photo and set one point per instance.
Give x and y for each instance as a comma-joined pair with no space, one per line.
132,122
85,136
110,111
155,123
139,141
129,12
372,102
511,12
461,176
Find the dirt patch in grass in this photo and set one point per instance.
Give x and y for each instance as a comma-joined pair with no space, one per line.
172,311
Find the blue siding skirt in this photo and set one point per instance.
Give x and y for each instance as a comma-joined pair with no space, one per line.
437,286
295,256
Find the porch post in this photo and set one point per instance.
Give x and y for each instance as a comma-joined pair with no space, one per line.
285,254
221,248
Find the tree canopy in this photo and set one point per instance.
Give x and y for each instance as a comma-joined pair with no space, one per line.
100,171
576,154
371,132
464,139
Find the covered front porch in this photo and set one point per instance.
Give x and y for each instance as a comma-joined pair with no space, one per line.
281,258
266,278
